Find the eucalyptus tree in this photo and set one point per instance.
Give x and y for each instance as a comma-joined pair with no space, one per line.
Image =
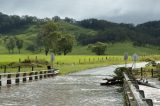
49,36
19,44
10,44
99,48
65,44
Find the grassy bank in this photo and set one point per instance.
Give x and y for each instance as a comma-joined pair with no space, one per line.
66,64
70,63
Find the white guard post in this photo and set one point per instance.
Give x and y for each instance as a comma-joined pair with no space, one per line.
52,58
125,58
134,58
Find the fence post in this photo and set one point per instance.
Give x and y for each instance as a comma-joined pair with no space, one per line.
49,73
32,68
152,72
19,68
5,69
30,76
9,79
40,76
19,60
45,74
0,81
36,59
24,77
17,78
141,72
36,75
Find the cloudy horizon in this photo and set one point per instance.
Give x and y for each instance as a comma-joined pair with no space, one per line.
120,11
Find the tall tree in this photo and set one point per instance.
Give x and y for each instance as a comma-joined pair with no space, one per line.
19,44
49,36
10,45
65,44
99,48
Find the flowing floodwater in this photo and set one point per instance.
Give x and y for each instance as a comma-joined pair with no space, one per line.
152,93
78,89
71,90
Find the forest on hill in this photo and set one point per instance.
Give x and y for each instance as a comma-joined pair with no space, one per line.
85,32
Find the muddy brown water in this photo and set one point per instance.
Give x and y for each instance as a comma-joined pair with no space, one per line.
70,90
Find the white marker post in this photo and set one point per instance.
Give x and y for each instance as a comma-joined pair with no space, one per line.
125,58
134,58
52,58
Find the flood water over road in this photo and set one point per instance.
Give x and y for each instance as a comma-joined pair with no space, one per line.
78,89
152,93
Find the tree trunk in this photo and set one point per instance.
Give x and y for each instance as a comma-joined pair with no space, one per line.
65,52
19,51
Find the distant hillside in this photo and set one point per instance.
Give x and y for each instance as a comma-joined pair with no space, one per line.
143,38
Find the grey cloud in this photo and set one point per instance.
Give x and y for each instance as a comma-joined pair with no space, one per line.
127,11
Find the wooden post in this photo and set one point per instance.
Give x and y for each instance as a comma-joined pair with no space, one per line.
45,74
152,72
19,60
57,63
30,76
17,78
32,68
36,76
36,59
40,75
0,81
24,77
141,72
9,79
5,69
19,68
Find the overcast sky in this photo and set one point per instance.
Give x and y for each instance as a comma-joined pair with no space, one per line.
126,11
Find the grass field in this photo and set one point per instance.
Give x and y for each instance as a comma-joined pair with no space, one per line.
118,49
66,64
70,63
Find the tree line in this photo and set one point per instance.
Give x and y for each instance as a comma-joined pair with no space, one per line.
52,38
8,23
140,35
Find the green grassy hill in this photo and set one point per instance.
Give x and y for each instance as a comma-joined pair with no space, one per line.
29,33
118,49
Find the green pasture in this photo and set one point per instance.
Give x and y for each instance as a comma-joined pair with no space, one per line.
68,59
66,64
70,63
